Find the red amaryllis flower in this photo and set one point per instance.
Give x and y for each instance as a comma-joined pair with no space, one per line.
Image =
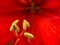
42,15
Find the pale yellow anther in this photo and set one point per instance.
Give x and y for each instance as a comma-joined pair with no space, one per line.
29,35
26,24
17,28
15,22
14,26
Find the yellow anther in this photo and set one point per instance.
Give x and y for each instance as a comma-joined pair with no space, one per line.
29,35
14,26
25,24
15,22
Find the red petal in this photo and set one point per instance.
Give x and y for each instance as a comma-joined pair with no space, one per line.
49,28
51,4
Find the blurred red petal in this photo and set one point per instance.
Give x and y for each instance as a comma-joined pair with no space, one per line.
51,4
49,28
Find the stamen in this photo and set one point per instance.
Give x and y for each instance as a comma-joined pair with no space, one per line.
15,22
25,24
14,26
16,34
16,41
17,28
29,35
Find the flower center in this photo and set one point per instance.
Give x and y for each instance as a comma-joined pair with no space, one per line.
34,8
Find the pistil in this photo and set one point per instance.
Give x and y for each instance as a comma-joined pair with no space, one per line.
32,7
